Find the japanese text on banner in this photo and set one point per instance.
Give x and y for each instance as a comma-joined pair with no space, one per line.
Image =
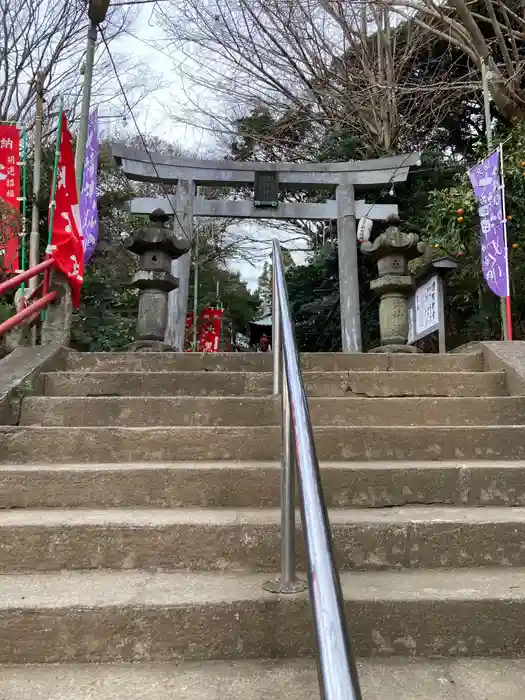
486,181
88,195
66,240
10,195
210,333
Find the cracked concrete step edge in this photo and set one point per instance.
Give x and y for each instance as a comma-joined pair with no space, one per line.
138,616
263,361
364,384
368,443
158,411
294,679
249,540
257,484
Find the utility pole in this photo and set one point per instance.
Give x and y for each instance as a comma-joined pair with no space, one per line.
34,238
97,10
485,77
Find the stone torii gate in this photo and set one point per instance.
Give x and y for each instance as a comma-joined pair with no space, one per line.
265,178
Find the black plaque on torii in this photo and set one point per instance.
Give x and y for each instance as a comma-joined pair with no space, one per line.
266,189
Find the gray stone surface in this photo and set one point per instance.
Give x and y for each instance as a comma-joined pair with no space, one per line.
21,335
113,553
248,539
324,384
349,307
19,375
148,411
19,445
252,484
244,361
245,209
510,357
157,247
182,224
137,165
56,327
392,250
381,679
149,616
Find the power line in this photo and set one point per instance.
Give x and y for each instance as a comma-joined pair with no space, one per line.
136,2
130,110
390,181
149,45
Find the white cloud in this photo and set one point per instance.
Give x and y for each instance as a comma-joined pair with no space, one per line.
259,248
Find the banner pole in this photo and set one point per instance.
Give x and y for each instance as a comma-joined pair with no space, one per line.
34,235
505,306
23,232
488,135
52,203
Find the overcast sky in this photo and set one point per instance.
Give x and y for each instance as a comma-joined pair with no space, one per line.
157,114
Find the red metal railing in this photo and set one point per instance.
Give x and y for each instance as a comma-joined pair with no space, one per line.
30,306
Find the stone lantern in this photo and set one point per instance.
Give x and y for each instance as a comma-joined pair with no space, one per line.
157,246
393,250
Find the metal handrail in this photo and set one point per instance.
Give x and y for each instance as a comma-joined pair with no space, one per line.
338,678
30,306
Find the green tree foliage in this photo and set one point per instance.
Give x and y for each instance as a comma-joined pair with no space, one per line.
107,315
472,310
264,287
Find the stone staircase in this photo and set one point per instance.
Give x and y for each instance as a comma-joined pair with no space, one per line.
140,494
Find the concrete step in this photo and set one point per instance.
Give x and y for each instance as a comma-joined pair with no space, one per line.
360,384
262,362
147,411
369,443
294,679
134,616
256,484
248,540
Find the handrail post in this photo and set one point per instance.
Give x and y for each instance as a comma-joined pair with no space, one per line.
276,337
287,581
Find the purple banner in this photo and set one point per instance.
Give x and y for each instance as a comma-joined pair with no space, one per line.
88,196
486,181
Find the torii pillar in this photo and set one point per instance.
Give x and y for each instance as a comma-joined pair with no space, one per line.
343,177
182,206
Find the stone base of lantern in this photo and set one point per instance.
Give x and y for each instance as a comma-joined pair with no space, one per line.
149,346
393,250
395,349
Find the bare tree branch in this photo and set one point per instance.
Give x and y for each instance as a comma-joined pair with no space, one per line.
344,67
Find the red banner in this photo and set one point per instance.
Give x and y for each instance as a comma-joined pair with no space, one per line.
66,241
210,331
188,333
10,196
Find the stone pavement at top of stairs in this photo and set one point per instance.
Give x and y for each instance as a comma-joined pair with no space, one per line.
391,679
